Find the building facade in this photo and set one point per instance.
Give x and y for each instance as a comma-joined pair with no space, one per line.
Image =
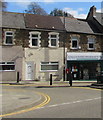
41,43
37,46
12,54
85,53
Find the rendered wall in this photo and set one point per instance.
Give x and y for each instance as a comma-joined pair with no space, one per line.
15,54
8,76
44,55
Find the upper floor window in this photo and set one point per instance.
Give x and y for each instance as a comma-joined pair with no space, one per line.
35,39
91,43
53,39
9,38
74,41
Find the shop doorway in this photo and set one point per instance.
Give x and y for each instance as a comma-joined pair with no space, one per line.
83,70
87,71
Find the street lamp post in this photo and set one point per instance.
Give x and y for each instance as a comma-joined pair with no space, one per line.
64,49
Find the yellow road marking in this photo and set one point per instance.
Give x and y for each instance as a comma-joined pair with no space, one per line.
54,85
87,88
46,101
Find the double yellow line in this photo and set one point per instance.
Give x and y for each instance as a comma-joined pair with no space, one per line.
88,88
46,101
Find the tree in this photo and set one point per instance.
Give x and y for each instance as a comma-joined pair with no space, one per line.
59,12
56,12
3,5
34,8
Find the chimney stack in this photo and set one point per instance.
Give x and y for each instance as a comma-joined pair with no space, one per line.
93,10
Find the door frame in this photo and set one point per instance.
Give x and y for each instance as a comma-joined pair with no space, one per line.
33,70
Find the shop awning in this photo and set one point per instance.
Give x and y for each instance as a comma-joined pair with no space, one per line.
84,56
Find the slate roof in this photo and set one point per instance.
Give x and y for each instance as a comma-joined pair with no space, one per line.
13,20
99,17
76,25
31,21
43,22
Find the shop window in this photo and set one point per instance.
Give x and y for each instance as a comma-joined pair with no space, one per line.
53,39
49,66
74,42
7,66
91,43
35,39
8,38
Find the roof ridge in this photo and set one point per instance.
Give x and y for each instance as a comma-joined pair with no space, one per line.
68,17
30,14
12,12
38,15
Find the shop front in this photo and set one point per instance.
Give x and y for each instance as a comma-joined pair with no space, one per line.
85,65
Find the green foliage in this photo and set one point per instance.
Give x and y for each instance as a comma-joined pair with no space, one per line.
34,8
3,5
59,12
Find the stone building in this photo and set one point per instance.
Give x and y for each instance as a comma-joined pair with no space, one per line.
12,54
85,45
37,46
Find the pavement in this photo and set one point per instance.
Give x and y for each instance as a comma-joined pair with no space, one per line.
40,84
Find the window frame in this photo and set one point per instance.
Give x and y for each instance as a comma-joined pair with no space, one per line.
56,38
49,64
9,36
31,38
7,63
73,39
91,40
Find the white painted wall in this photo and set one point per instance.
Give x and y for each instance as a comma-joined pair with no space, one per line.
43,55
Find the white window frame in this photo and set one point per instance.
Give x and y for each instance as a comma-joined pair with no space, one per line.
50,39
38,38
9,36
47,64
7,63
73,39
91,40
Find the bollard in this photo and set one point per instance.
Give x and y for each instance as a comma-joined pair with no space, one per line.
17,77
70,79
50,79
70,82
67,77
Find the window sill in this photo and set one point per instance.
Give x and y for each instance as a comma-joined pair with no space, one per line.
7,70
34,47
91,48
74,48
48,70
54,47
8,44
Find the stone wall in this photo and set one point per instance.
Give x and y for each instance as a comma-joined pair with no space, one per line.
22,39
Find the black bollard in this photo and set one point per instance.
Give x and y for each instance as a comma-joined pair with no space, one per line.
70,79
50,79
17,77
70,82
67,76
